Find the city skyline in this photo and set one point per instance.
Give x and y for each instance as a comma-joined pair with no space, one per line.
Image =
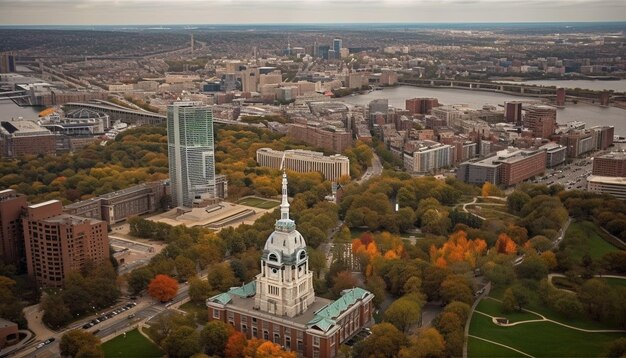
149,12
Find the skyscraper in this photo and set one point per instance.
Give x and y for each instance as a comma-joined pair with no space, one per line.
513,112
337,46
190,152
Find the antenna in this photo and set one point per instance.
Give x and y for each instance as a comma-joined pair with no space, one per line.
282,162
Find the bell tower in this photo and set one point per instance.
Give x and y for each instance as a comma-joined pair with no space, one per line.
285,285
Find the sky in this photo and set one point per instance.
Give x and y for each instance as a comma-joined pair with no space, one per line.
143,12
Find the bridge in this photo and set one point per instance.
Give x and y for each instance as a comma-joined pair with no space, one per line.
516,89
132,116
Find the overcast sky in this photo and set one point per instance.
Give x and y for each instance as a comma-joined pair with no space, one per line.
124,12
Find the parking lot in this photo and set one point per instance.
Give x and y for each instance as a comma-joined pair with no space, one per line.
572,176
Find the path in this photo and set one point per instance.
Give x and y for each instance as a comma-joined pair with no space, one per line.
544,319
474,202
502,345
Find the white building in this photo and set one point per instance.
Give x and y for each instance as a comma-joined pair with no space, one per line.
190,152
427,157
332,167
615,186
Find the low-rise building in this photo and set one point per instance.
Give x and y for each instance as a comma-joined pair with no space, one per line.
615,186
555,154
23,137
610,165
332,167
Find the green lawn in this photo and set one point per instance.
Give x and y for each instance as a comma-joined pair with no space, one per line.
259,203
134,345
478,348
584,237
615,281
492,307
540,339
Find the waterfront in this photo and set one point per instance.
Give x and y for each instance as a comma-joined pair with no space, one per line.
590,114
596,85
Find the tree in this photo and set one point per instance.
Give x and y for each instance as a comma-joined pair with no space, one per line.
404,312
515,298
139,279
182,341
214,337
461,309
429,343
568,305
185,268
76,341
343,280
272,350
516,201
549,258
221,277
163,288
199,290
384,342
533,267
55,312
456,288
376,285
235,345
617,348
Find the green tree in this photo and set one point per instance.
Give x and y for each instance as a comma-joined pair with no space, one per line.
76,341
214,337
533,267
617,348
456,288
199,290
185,268
182,342
384,342
139,279
221,277
405,312
55,312
515,298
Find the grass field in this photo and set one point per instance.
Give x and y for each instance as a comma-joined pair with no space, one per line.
539,339
479,348
585,238
615,281
258,203
492,307
131,346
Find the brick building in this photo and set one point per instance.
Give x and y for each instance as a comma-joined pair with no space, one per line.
541,120
333,139
57,243
281,306
610,165
11,238
421,105
19,138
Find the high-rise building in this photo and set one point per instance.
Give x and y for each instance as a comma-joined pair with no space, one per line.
7,62
513,112
11,237
280,304
190,152
560,97
610,165
57,243
337,46
541,120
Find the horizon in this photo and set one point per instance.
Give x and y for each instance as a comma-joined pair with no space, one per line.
273,12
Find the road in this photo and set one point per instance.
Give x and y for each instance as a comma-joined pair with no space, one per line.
146,309
571,176
374,170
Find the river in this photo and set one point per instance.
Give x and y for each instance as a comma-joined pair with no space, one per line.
596,85
590,114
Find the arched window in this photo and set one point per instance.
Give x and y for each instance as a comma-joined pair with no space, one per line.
273,257
302,255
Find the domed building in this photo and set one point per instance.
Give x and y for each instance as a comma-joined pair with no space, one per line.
281,306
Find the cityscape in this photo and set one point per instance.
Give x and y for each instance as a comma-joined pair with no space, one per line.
312,179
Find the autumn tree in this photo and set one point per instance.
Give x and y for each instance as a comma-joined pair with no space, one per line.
428,343
235,345
199,290
456,288
343,280
258,348
221,277
458,249
515,298
505,245
76,341
163,288
384,342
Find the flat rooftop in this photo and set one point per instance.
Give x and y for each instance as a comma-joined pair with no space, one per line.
607,180
23,127
69,219
247,304
614,155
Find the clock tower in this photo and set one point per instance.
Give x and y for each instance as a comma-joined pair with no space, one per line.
285,285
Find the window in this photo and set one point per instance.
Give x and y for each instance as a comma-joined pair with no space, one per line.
316,341
273,257
300,345
276,338
287,343
254,332
244,328
302,255
216,313
266,335
273,290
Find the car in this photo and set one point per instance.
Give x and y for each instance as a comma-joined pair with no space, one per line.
87,326
49,340
40,345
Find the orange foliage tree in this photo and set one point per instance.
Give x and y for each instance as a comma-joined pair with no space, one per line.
163,288
458,249
505,245
235,345
391,247
260,348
